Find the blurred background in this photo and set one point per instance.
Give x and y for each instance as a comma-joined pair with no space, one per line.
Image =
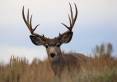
96,24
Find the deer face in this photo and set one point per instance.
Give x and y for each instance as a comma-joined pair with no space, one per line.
52,45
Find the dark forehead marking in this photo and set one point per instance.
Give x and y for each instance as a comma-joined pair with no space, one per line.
52,42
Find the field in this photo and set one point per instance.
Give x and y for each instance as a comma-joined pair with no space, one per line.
101,67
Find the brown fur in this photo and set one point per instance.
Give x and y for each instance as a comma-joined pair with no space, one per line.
58,60
69,62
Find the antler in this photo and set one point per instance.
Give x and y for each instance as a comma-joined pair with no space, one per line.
42,40
72,19
28,21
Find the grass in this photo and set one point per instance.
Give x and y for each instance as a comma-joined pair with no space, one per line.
97,69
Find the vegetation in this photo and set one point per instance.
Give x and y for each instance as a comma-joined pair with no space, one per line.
102,67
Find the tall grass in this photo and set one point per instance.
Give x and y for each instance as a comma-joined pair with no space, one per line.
101,68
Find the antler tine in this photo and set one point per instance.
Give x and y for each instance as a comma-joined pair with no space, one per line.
25,20
28,21
28,16
35,27
72,19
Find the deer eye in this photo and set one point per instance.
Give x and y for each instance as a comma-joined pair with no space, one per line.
46,45
58,44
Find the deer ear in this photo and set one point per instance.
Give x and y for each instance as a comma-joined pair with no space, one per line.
37,40
66,37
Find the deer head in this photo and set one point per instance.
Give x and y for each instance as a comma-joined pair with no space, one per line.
52,45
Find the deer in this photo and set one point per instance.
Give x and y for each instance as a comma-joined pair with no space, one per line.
55,56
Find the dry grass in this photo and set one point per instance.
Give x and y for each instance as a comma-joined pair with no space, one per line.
97,69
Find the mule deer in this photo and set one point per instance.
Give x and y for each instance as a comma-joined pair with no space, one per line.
55,56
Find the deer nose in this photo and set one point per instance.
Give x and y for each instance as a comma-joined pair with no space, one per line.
52,55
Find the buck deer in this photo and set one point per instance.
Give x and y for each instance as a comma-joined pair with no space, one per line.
55,56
